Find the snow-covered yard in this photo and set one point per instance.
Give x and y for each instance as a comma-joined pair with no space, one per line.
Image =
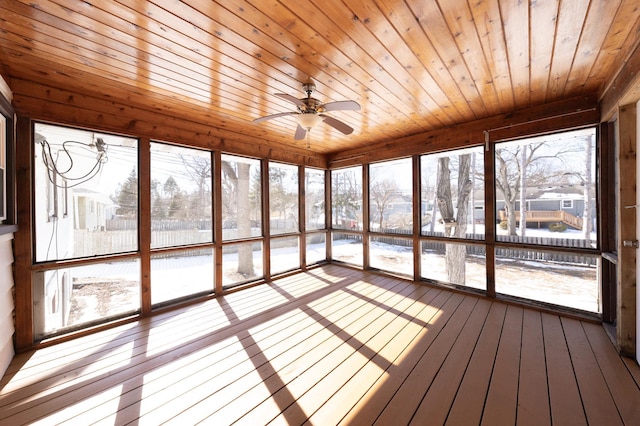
103,290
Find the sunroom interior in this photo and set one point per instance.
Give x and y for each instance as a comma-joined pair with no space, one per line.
164,159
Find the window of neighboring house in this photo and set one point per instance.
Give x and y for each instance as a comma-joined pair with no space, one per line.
567,204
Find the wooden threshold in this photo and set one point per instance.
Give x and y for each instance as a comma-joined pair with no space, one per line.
331,345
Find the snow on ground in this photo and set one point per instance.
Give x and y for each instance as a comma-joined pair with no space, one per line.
117,288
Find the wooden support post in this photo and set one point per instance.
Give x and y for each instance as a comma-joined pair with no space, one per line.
626,218
144,221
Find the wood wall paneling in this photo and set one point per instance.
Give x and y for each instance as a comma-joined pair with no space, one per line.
626,218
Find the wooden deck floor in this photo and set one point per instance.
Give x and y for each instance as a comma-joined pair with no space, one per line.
331,346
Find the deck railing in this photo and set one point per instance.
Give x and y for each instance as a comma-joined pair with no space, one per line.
546,216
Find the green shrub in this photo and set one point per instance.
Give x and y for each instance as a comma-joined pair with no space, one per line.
503,225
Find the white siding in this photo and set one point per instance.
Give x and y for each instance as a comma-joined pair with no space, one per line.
6,302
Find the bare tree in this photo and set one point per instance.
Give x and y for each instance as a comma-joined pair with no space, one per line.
455,221
382,194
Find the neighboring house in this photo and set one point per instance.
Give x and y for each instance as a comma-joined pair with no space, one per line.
567,200
91,209
396,211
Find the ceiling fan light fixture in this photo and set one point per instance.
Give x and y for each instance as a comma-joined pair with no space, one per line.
308,120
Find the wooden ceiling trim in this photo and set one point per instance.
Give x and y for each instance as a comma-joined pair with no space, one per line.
545,15
486,17
571,18
565,114
79,110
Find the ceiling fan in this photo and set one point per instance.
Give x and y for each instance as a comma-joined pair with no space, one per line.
311,111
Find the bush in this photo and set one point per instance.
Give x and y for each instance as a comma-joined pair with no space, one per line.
503,225
557,227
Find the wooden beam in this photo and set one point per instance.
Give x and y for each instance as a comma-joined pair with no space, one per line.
566,114
626,218
23,247
5,90
624,88
144,223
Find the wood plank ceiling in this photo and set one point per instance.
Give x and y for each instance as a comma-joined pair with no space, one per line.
412,65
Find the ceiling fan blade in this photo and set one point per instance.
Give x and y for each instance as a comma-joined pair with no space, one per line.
300,133
342,106
337,124
269,117
291,99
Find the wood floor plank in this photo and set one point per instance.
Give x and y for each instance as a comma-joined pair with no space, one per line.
369,407
266,378
212,361
112,341
596,398
624,389
502,397
142,363
533,392
406,400
344,342
145,347
469,401
332,345
214,364
437,402
355,376
564,396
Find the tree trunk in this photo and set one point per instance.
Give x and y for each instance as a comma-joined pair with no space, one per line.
443,196
245,251
523,192
455,254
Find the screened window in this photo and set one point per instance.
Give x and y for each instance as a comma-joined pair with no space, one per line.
553,176
314,185
390,197
97,174
180,196
452,194
346,198
283,198
241,198
75,297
